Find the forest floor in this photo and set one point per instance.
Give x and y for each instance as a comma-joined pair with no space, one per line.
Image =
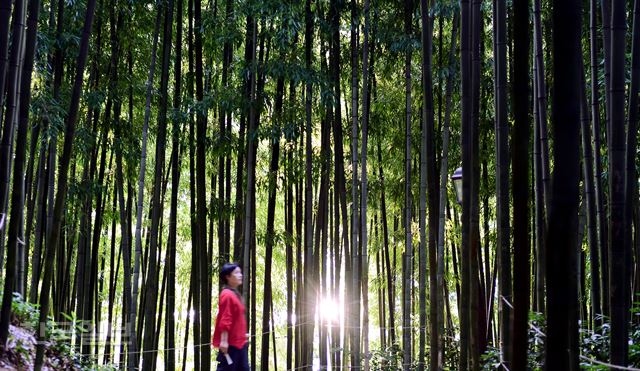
20,353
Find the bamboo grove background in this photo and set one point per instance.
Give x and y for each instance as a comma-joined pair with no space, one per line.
145,142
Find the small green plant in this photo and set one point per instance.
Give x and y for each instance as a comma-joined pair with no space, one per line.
25,313
388,358
21,349
452,351
595,344
491,359
634,345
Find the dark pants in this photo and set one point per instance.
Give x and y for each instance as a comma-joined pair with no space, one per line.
240,358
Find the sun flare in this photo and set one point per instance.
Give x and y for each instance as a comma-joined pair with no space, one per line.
329,310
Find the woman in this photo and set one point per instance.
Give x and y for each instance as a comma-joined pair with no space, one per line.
230,332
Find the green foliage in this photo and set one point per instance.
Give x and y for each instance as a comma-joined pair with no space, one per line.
21,349
59,351
634,344
386,359
594,345
491,359
50,111
390,358
451,352
25,313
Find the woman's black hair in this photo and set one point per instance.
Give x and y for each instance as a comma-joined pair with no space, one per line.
226,270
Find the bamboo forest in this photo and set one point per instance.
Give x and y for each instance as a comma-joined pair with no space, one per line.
401,184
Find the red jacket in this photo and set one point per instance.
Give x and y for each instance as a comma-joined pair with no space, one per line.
230,318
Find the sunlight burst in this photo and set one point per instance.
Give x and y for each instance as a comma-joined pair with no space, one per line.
329,310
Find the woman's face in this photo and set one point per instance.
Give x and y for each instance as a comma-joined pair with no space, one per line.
235,278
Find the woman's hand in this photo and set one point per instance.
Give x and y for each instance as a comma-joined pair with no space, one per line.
224,347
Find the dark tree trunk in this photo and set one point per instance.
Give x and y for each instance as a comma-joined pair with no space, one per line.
592,228
170,327
342,217
223,217
542,146
321,231
17,194
185,348
444,175
255,116
538,203
271,209
408,254
520,158
58,70
248,233
201,247
298,272
13,82
40,221
503,239
385,235
163,288
352,290
502,188
130,331
83,262
97,227
562,290
599,193
289,183
113,273
364,190
618,267
382,311
195,252
467,129
242,153
309,289
477,309
428,188
540,102
605,7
